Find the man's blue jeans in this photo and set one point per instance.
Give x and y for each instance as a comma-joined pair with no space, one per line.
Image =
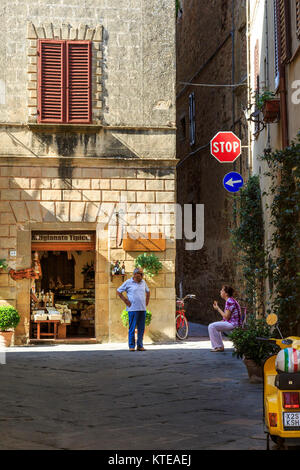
136,320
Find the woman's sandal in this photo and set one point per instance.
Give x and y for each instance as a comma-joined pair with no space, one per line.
217,350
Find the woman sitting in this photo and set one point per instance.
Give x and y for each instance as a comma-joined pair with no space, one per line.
232,318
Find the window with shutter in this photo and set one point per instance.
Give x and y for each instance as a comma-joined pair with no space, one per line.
64,81
78,89
298,18
51,81
283,12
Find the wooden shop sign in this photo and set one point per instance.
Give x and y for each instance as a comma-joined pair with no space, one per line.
145,242
62,241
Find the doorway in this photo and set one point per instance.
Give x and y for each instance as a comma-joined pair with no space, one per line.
63,297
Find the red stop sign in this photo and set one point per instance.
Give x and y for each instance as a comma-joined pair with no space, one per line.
226,147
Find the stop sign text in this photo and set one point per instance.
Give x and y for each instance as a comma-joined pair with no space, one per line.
226,147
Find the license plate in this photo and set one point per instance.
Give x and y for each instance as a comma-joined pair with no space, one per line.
291,420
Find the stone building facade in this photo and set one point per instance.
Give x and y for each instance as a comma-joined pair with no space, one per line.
274,65
74,176
211,51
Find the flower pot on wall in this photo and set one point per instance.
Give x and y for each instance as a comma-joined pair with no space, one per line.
6,337
271,110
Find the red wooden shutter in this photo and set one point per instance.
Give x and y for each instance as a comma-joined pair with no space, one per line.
51,81
78,84
283,9
298,18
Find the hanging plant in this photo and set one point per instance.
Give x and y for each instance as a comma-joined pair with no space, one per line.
149,263
263,98
125,318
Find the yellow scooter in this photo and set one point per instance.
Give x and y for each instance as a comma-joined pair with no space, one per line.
282,390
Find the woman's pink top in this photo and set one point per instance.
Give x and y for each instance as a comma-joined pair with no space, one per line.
236,315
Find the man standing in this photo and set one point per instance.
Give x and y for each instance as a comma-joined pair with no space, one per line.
138,296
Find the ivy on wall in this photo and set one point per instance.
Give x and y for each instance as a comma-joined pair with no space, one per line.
284,171
248,242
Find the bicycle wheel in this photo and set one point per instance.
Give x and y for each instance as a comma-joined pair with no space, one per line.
182,327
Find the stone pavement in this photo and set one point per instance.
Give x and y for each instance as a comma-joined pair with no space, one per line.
177,396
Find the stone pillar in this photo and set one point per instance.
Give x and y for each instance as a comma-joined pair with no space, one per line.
102,286
23,286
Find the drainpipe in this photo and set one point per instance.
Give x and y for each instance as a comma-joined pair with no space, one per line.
250,165
233,70
233,92
267,64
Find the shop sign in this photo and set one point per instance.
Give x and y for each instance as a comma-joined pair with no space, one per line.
62,238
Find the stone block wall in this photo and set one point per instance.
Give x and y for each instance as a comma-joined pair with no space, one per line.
66,177
34,197
133,53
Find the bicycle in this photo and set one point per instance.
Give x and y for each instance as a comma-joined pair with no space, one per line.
182,326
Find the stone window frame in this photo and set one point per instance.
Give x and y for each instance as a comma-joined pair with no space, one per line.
64,32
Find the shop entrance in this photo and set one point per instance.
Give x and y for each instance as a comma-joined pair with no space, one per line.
63,296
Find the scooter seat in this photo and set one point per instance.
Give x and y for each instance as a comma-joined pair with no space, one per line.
288,381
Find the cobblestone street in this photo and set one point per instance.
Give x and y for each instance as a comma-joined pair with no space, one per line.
172,397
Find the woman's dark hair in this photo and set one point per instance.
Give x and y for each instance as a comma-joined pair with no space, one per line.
229,290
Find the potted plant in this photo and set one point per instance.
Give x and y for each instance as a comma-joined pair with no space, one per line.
125,318
269,105
247,347
150,264
3,264
9,318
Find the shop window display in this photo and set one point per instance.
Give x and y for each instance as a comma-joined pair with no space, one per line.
64,292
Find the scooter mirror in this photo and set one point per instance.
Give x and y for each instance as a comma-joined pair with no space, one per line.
272,319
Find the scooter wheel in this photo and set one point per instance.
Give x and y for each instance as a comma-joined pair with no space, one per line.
278,441
274,438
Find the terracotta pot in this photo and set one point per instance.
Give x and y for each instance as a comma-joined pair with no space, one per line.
7,336
271,110
253,369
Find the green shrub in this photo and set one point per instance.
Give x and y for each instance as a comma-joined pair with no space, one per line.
247,346
247,238
284,190
149,263
125,318
3,264
9,318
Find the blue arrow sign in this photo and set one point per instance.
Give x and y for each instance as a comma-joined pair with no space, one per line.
233,182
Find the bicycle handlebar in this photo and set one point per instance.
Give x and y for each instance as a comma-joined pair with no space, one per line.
188,296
